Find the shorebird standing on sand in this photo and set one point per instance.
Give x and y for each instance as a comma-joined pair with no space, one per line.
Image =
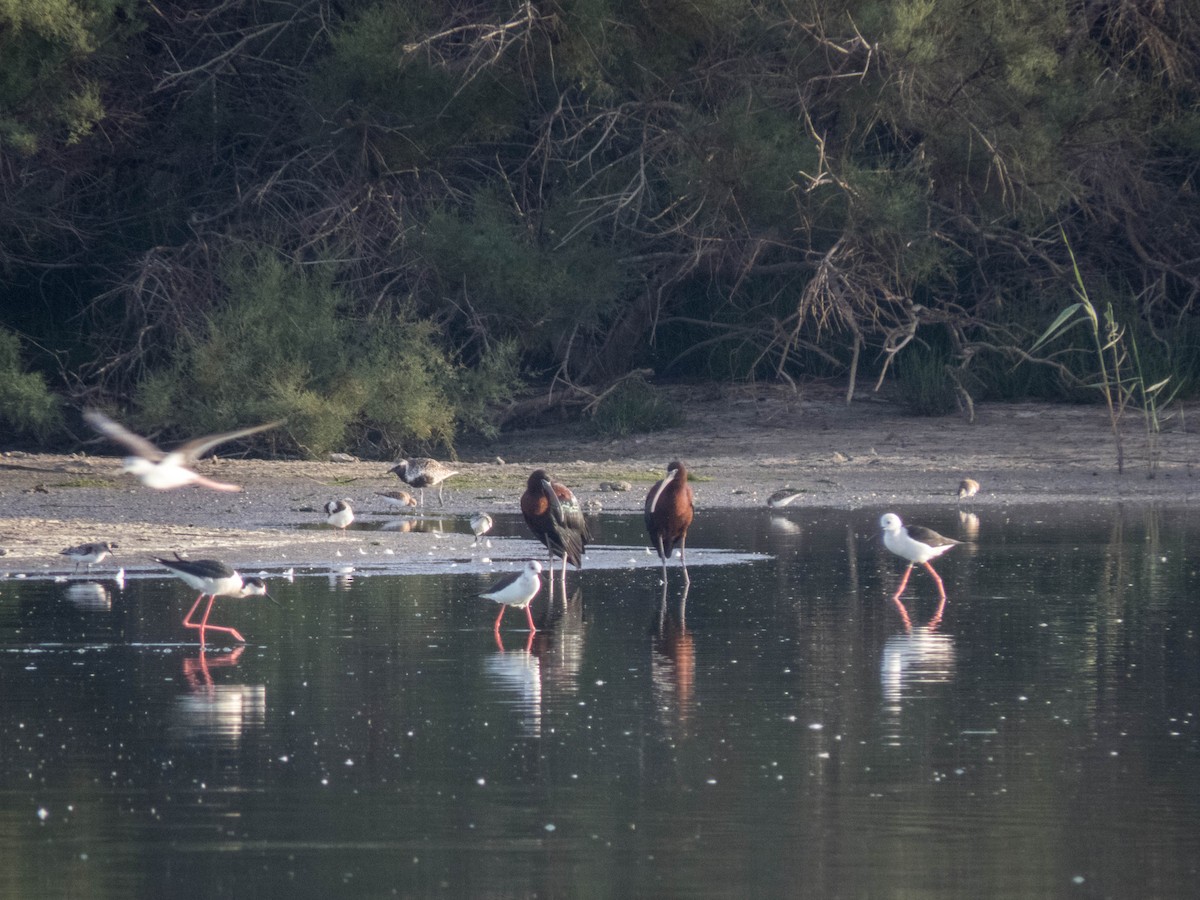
88,554
421,472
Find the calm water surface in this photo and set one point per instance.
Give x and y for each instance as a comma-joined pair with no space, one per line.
789,730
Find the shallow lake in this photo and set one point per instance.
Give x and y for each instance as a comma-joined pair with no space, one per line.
788,730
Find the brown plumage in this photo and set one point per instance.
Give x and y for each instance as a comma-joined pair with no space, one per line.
669,514
421,472
554,516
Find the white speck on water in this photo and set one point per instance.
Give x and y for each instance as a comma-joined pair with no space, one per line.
481,781
791,718
43,813
815,726
549,826
599,682
1078,879
349,762
284,758
711,781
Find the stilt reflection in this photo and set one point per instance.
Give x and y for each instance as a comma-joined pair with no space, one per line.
519,672
917,655
212,710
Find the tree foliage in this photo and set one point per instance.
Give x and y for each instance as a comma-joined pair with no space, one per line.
577,188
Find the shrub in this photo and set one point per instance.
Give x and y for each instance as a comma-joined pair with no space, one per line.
634,406
286,342
27,407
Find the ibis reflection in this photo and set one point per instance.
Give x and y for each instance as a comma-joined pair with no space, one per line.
673,661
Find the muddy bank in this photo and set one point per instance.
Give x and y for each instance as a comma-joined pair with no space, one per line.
741,444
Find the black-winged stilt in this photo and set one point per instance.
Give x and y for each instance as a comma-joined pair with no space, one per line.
163,470
212,578
917,545
516,590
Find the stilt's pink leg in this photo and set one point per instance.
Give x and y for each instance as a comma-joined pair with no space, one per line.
937,578
499,617
903,582
187,620
529,616
204,626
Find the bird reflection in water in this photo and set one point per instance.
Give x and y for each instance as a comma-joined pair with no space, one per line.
415,525
341,579
560,642
915,656
90,596
673,661
519,672
543,665
221,712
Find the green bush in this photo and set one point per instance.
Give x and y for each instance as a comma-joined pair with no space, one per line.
634,406
286,342
27,407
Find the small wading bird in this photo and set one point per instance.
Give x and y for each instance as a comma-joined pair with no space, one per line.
213,579
397,499
669,512
783,497
422,472
516,590
968,487
88,554
338,513
163,470
481,524
917,545
554,516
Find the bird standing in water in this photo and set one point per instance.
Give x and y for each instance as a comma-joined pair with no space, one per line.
516,590
554,516
338,513
421,472
917,545
213,579
669,512
159,469
481,524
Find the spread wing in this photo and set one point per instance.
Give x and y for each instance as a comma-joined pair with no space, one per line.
193,450
122,435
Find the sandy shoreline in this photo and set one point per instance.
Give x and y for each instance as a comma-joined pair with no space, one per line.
741,444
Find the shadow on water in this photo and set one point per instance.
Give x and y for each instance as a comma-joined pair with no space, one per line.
787,719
